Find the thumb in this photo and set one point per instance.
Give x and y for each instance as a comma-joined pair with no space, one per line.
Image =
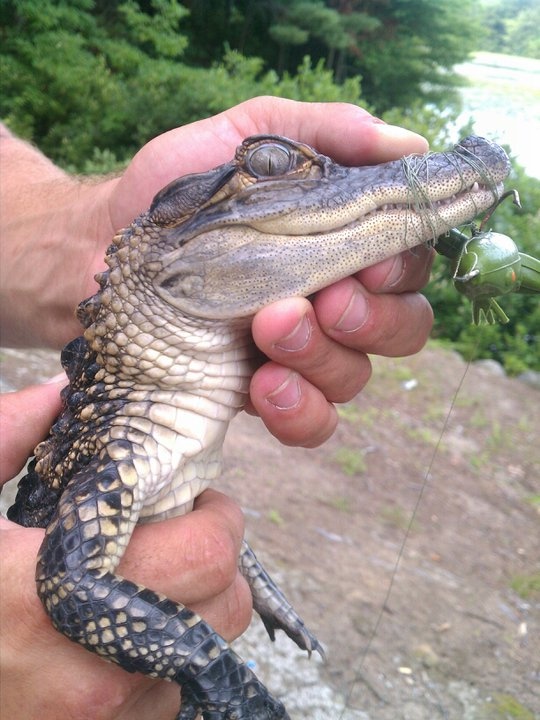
25,418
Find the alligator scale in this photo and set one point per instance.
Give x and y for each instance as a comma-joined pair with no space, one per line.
164,364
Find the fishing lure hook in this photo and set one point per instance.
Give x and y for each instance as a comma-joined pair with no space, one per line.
487,265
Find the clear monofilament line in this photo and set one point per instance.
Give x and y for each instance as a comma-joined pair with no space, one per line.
425,484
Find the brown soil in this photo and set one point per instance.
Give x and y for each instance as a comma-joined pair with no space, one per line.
458,635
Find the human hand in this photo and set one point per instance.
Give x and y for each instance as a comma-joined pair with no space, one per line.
192,559
318,353
332,366
294,392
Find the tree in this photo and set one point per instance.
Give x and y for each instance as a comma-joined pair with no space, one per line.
68,69
511,27
412,55
403,50
90,81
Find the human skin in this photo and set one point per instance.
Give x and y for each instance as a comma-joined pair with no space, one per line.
317,355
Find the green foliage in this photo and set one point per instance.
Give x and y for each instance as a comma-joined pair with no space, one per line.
156,31
403,51
526,586
411,57
69,70
91,83
511,26
351,461
505,707
399,518
316,84
89,76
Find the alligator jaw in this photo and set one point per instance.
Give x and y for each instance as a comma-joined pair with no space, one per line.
249,254
281,220
428,218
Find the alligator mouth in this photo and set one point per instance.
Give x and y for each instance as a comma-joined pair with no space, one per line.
478,195
435,203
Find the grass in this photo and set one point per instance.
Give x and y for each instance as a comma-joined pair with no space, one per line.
505,707
275,517
526,586
397,517
340,503
353,415
499,437
434,414
533,500
351,462
478,419
423,434
480,460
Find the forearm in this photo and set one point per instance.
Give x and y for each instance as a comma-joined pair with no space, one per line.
54,228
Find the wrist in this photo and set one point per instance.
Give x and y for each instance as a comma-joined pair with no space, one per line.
55,228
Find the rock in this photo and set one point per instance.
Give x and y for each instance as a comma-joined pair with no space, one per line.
426,655
530,377
491,366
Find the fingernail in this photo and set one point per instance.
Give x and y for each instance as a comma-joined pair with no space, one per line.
394,133
56,379
287,395
298,338
355,314
395,273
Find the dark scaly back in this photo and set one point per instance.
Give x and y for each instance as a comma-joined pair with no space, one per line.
40,488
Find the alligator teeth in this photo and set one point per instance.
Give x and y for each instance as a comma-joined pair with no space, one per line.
443,202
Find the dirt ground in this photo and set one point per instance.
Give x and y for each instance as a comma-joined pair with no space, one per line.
415,557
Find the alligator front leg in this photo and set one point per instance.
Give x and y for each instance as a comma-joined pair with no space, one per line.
140,630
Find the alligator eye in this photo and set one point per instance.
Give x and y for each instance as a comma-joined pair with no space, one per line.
269,160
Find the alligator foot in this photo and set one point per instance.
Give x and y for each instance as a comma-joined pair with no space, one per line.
275,610
297,631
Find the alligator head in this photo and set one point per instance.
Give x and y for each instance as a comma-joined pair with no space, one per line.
282,220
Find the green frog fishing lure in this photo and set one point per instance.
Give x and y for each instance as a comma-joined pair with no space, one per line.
489,264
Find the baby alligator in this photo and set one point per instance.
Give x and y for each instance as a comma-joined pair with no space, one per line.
164,364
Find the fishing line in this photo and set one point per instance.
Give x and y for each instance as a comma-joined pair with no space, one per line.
425,483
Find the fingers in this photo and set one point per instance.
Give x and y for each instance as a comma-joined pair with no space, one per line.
325,125
25,418
318,353
379,311
191,559
289,332
32,688
213,530
194,559
390,325
293,409
202,145
407,272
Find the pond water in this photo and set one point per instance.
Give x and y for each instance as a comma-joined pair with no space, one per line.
503,99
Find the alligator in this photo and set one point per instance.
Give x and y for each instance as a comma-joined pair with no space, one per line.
164,364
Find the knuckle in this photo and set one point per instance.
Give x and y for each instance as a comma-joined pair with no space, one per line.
238,608
219,554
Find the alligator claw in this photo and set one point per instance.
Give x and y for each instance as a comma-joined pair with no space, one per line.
299,633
